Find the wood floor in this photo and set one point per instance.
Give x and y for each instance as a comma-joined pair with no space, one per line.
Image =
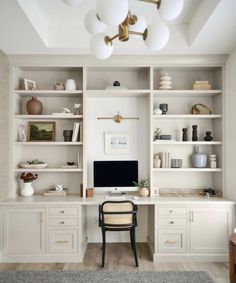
120,257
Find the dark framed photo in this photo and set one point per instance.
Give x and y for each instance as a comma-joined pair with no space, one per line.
41,131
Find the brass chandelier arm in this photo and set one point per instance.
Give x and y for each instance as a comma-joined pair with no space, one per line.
156,2
143,34
108,39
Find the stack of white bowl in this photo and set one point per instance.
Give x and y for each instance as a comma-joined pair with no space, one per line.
165,81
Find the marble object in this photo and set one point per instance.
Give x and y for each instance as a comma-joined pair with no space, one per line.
70,84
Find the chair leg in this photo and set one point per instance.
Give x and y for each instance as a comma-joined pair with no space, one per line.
103,246
133,243
131,240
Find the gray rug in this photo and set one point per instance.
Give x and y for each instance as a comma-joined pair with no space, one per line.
103,276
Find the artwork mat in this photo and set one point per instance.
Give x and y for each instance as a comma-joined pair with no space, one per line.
117,149
53,124
27,82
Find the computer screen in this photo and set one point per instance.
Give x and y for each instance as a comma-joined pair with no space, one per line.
115,174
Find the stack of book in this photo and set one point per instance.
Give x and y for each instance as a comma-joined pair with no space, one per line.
201,85
165,159
75,136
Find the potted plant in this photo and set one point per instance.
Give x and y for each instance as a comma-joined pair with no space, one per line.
143,186
157,133
27,189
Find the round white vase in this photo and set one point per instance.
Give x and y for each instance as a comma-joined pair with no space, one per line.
70,84
143,192
27,189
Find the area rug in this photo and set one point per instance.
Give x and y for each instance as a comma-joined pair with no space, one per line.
24,276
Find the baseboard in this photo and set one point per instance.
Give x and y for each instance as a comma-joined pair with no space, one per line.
190,257
51,258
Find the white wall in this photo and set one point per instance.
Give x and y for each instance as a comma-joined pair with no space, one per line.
230,129
4,124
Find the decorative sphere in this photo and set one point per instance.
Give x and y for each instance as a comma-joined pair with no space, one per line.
170,10
112,12
92,23
157,36
116,83
73,2
99,47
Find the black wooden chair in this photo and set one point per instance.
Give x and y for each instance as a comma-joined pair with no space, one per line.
118,216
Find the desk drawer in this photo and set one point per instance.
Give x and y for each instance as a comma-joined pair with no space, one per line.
176,211
63,211
62,222
62,241
171,222
172,241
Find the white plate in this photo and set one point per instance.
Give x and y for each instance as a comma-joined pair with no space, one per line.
33,166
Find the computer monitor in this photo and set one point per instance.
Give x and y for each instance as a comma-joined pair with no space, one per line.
115,176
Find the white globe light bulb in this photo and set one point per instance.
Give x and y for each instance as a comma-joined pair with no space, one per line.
112,12
157,36
92,23
73,2
99,47
140,25
171,9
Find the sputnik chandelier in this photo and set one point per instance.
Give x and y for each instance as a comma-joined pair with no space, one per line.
117,13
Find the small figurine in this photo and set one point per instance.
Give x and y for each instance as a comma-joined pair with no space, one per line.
194,133
208,136
185,135
116,83
77,110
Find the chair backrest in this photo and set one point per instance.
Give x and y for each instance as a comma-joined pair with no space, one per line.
117,214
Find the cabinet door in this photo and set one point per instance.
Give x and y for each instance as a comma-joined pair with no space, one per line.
24,230
209,230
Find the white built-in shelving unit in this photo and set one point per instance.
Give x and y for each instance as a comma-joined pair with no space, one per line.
139,99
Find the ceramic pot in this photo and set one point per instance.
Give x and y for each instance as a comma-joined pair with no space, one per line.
70,84
157,162
143,192
34,106
67,134
27,189
199,160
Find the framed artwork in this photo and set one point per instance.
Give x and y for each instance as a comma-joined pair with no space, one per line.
30,85
118,143
41,131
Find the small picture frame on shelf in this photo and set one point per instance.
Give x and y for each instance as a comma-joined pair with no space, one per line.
118,143
29,85
41,131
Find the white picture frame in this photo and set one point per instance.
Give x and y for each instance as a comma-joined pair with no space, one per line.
118,143
30,85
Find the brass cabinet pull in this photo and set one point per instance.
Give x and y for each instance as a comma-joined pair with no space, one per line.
171,222
62,211
171,211
171,242
62,242
62,222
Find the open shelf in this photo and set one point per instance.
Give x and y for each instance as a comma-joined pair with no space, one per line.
169,142
207,170
184,93
187,116
48,143
48,170
51,117
49,93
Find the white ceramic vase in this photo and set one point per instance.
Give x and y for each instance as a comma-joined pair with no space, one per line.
143,192
70,84
27,189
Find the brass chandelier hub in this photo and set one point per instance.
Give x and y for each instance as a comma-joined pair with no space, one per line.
124,30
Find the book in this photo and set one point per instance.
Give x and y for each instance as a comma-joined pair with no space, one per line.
202,82
201,87
55,193
75,132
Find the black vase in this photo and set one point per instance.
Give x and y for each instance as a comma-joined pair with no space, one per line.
194,133
67,134
164,108
185,135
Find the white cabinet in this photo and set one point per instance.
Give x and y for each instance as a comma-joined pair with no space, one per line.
24,230
209,229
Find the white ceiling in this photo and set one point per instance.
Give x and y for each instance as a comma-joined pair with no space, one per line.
52,27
